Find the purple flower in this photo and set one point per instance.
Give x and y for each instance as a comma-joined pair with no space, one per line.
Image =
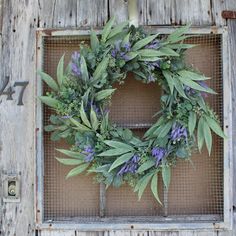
130,166
158,153
189,91
155,44
151,78
75,69
178,132
89,152
120,51
204,85
75,56
113,53
127,46
153,65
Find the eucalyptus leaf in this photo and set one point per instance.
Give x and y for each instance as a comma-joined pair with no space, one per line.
79,126
215,127
114,152
200,133
116,144
192,119
143,42
207,137
60,71
84,69
68,162
100,69
49,81
154,188
51,102
84,116
145,180
72,154
94,40
169,80
103,94
146,165
121,160
118,29
94,119
166,175
77,170
107,29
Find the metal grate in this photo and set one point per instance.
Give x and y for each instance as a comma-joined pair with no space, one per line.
195,192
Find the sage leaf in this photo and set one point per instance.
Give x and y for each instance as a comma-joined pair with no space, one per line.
94,119
107,29
94,40
117,29
49,81
84,116
51,102
103,94
60,71
100,69
116,144
200,133
166,175
72,154
215,127
114,152
207,137
192,119
146,165
192,75
68,162
77,170
79,126
169,80
145,180
84,70
143,42
119,161
168,52
154,184
165,130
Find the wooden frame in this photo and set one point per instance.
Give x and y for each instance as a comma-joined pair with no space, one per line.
131,223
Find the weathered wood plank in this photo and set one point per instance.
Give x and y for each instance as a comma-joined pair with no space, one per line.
17,122
78,233
72,13
232,62
166,12
168,233
59,233
119,9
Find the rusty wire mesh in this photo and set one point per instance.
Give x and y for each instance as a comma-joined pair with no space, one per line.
195,190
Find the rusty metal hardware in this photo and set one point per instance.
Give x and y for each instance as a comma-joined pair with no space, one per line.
228,14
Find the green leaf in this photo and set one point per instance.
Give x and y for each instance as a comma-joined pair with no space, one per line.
176,35
149,58
131,55
60,71
215,127
51,102
94,119
143,184
192,119
84,70
119,161
103,94
145,166
126,39
181,46
114,152
165,130
84,116
166,174
107,29
72,154
168,52
207,137
117,29
154,184
182,153
101,68
49,81
143,42
152,53
192,75
67,161
200,133
190,83
179,87
116,144
169,80
94,40
79,126
77,170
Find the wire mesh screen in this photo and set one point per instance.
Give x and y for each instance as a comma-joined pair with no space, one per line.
196,188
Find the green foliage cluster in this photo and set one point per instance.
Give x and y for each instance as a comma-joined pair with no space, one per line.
81,97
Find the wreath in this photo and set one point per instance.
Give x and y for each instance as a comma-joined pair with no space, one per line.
81,97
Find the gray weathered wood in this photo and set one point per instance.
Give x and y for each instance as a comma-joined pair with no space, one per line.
59,233
72,13
17,122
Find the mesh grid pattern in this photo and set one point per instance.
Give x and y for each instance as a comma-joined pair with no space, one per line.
196,189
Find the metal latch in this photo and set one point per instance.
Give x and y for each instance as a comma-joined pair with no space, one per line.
11,188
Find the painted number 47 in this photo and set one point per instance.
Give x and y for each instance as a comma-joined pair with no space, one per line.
10,91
